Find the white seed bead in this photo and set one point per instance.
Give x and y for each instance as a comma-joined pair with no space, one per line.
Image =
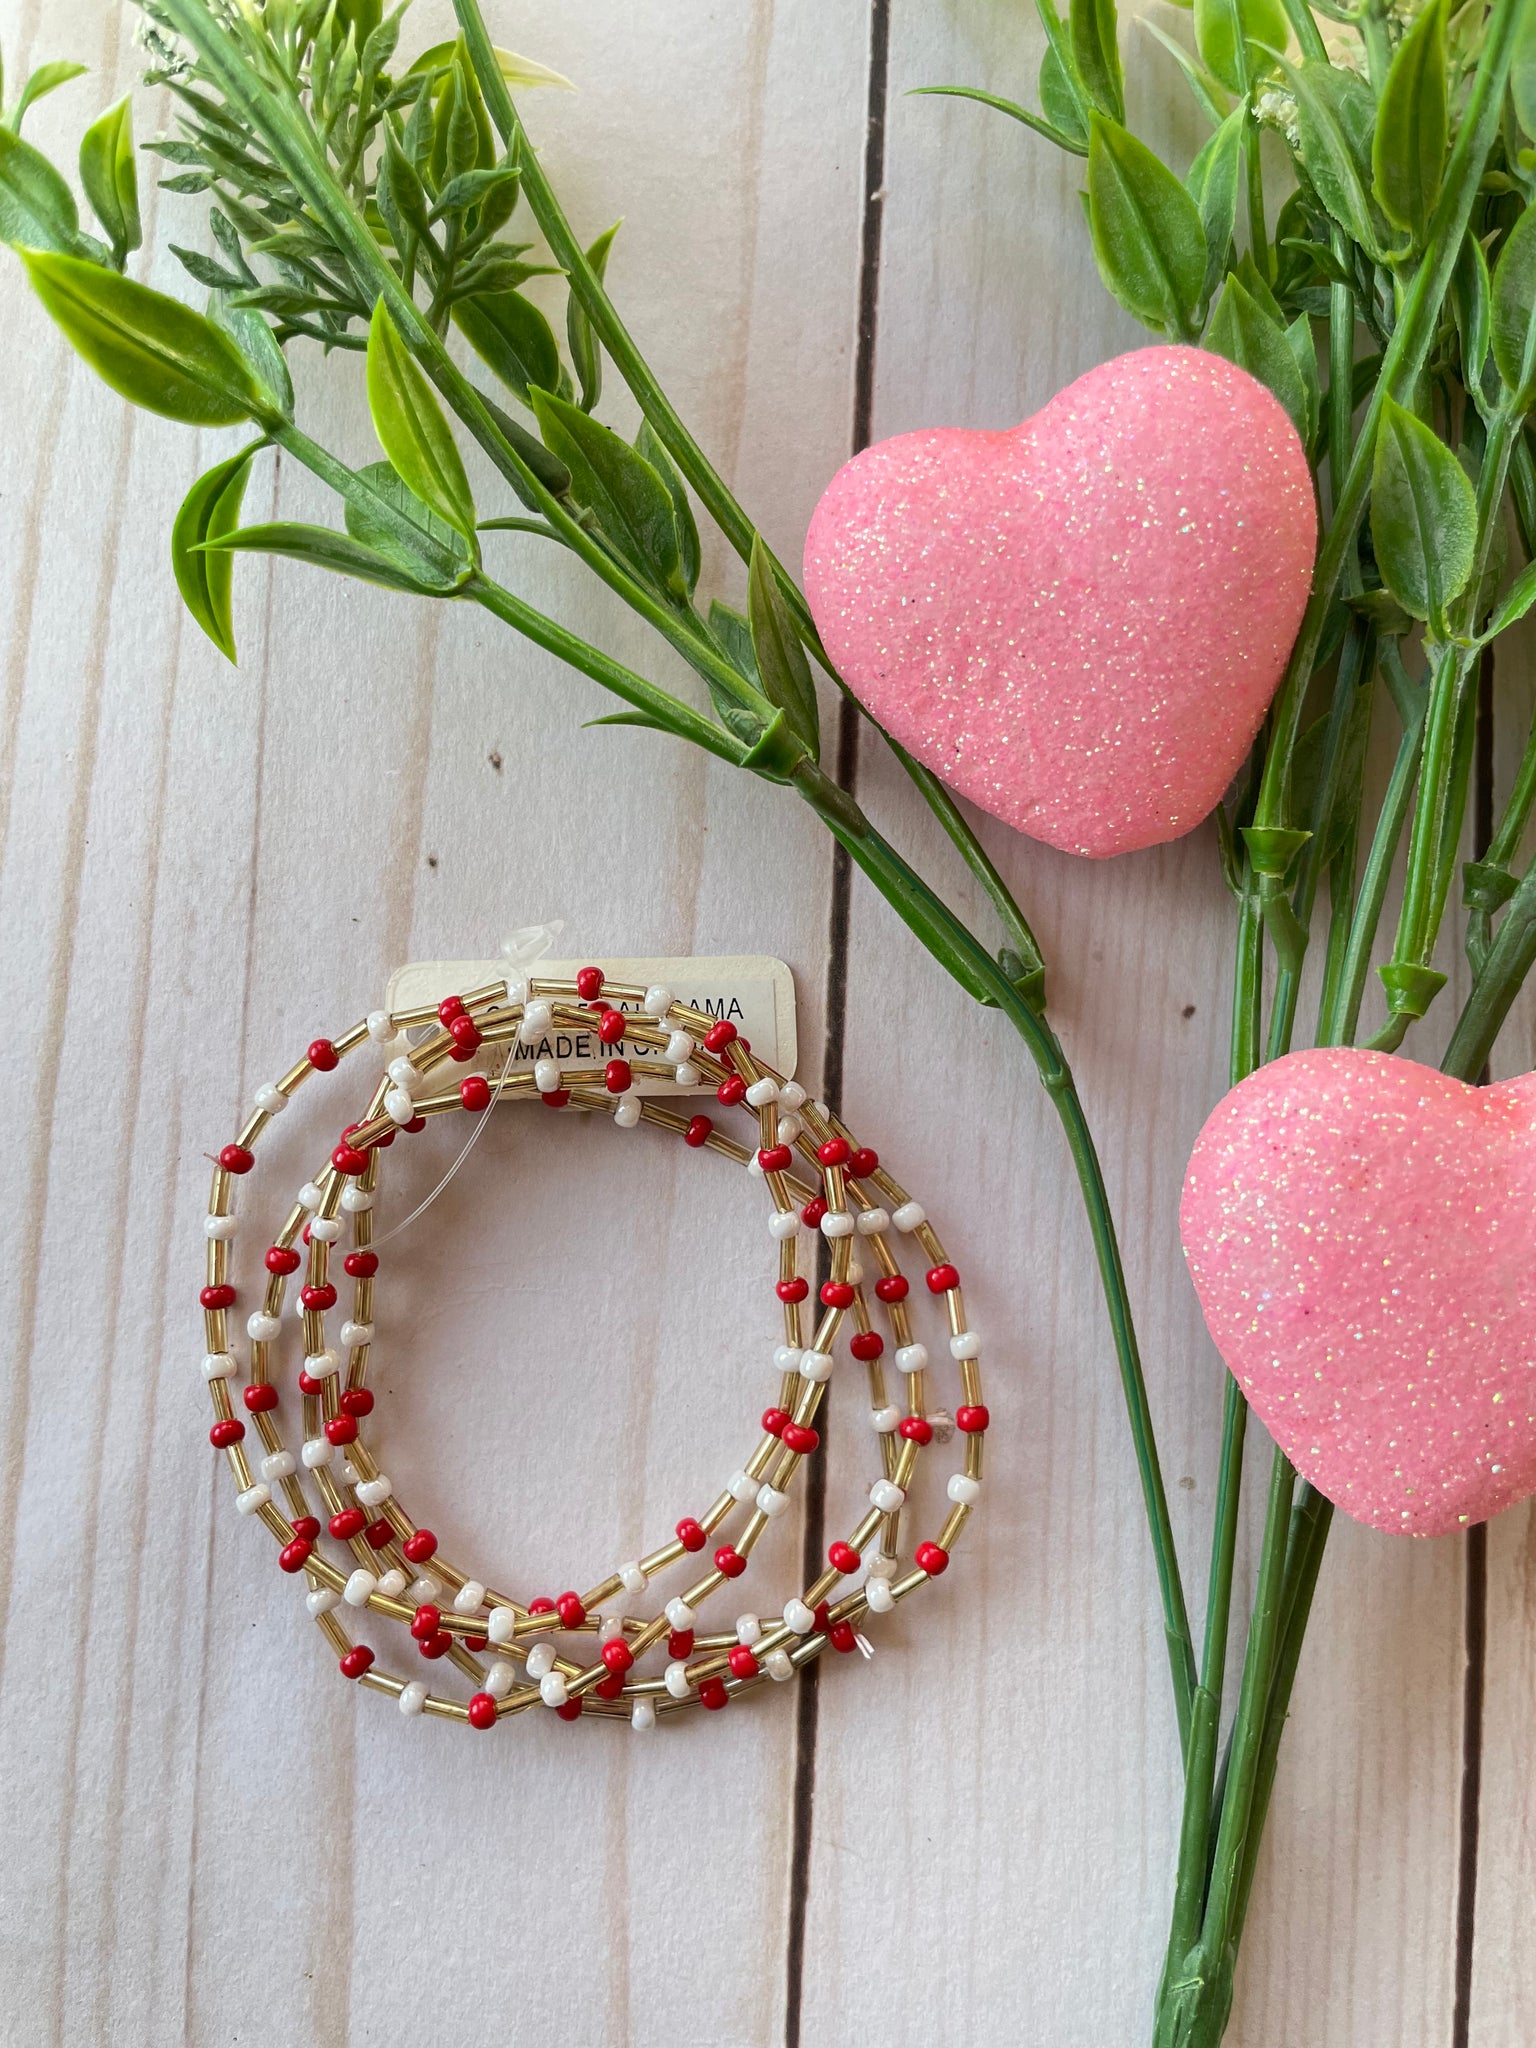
790,1128
799,1617
677,1679
872,1221
414,1698
966,1345
515,988
837,1223
254,1497
380,1029
355,1200
886,1495
540,1659
403,1073
753,1164
500,1679
321,1364
741,1486
688,1075
792,1095
771,1502
909,1216
886,1419
423,1590
277,1465
748,1629
787,1357
963,1490
552,1689
783,1223
401,1105
911,1357
762,1092
610,1628
326,1228
631,1578
855,1274
879,1596
679,1047
374,1492
680,1615
657,1000
882,1565
626,1113
642,1715
778,1666
270,1099
469,1597
348,1473
219,1228
317,1451
816,1365
501,1625
537,1019
546,1076
354,1334
262,1328
310,1196
218,1365
392,1584
320,1600
357,1589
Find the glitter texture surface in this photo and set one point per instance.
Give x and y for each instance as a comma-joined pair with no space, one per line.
1361,1232
1078,623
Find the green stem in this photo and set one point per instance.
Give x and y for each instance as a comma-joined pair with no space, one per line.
1509,960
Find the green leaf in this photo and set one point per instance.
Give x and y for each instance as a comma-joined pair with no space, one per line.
586,349
1210,94
1304,349
256,342
1061,138
1408,153
210,510
472,188
1212,184
1522,72
401,196
111,177
519,72
364,524
630,502
1096,53
1148,238
647,445
1512,322
1061,102
1336,116
1518,599
411,428
1225,28
1244,333
783,671
325,549
550,471
511,335
1423,515
734,634
37,208
1472,302
45,79
151,349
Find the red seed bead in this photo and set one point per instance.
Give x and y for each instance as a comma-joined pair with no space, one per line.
689,1534
541,1606
719,1035
482,1711
617,1076
972,1420
732,1089
774,1420
341,1429
729,1562
813,1212
347,1523
360,1265
862,1162
775,1158
557,1098
841,1636
476,1643
283,1259
261,1399
866,1344
929,1558
348,1159
823,1616
680,1643
893,1287
843,1558
317,1298
697,1133
570,1711
465,1033
425,1621
357,1401
357,1660
308,1527
383,1141
437,1645
837,1294
834,1152
322,1055
310,1386
611,1025
942,1278
223,1434
420,1546
295,1555
236,1159
915,1429
712,1694
461,1053
570,1610
589,983
792,1290
800,1438
609,1688
379,1534
475,1093
217,1297
617,1655
449,1008
742,1662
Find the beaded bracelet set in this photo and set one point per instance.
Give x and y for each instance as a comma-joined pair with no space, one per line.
397,1571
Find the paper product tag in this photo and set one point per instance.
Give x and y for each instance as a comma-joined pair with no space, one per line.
755,992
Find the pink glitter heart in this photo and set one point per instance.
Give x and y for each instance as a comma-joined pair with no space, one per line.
1078,623
1361,1232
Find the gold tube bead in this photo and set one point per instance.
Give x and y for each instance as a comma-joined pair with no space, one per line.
973,1443
239,1467
954,1522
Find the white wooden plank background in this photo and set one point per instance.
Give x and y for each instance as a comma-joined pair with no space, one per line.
203,1832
